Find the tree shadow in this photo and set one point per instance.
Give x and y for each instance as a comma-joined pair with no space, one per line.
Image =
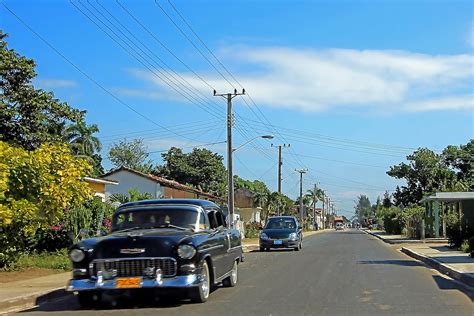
442,248
454,259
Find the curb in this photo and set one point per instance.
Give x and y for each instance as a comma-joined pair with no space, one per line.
31,300
441,267
401,241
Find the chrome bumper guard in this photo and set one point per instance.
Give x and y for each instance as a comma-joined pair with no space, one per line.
182,281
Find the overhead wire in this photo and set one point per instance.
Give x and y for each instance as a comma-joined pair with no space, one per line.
90,78
139,57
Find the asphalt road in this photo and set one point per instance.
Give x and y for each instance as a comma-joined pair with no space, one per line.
336,273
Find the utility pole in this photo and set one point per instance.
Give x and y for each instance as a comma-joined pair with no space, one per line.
301,172
323,219
280,163
328,211
230,174
314,205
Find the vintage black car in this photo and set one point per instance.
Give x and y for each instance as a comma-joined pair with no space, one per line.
281,232
182,245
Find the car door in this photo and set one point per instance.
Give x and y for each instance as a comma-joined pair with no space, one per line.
218,244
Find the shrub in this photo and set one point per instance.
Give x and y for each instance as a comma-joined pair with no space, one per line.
453,230
471,246
465,247
390,219
252,230
50,239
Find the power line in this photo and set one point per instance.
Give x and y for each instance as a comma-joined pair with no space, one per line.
203,97
86,75
192,43
142,60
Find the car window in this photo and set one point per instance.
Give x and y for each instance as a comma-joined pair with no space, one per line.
212,219
281,223
203,222
220,219
154,217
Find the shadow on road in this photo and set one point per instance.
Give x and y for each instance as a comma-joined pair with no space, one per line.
404,263
448,284
138,299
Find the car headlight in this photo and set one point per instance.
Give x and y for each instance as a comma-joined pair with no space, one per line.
293,236
77,255
263,236
186,251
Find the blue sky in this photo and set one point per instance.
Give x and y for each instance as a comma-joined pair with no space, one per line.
354,86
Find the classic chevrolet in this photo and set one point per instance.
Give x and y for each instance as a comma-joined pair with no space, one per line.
158,244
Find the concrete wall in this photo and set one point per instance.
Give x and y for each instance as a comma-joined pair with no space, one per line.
128,180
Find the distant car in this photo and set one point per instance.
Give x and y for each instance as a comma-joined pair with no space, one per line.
339,226
161,245
281,232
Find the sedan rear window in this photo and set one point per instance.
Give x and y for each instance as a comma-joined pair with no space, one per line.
283,223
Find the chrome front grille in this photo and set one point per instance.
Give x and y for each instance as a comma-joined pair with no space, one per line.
131,267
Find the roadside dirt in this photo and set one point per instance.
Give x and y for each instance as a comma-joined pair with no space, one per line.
31,273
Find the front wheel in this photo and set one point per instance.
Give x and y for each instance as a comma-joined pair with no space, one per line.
201,293
231,280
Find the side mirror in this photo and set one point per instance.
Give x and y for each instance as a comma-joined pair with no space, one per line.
260,228
300,228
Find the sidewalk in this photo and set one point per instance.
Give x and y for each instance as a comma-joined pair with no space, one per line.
400,239
435,253
21,294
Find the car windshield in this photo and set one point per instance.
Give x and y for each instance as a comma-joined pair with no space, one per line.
155,218
281,223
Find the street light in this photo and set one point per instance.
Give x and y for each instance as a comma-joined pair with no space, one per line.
260,136
230,187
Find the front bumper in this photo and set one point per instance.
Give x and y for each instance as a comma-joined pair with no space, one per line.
181,281
285,243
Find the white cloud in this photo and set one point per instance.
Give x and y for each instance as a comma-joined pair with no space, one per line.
447,103
318,80
56,83
470,37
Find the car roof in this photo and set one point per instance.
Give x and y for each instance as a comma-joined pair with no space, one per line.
196,202
283,217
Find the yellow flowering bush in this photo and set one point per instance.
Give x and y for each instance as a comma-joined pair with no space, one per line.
36,189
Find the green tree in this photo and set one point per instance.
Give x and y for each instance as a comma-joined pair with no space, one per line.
425,173
200,168
387,200
363,208
132,154
83,143
29,117
460,158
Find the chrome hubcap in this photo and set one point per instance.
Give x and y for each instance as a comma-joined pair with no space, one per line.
205,281
234,273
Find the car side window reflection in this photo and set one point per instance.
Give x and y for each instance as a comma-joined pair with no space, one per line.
203,222
220,219
212,219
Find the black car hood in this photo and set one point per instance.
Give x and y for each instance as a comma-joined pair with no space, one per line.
160,242
279,232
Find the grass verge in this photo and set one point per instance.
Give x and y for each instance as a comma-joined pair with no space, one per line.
58,260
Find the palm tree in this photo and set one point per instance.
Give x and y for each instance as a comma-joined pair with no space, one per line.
80,138
133,195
